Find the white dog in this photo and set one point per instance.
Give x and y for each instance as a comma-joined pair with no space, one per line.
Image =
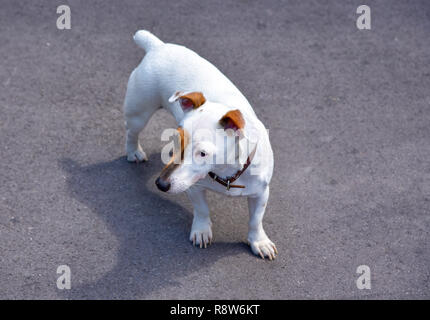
207,107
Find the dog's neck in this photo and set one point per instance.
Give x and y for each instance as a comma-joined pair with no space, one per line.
229,170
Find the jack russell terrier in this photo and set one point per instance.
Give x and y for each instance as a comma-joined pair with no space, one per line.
213,118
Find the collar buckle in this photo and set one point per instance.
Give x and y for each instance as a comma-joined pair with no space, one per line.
227,181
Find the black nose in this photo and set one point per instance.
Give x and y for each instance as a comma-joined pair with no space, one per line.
162,184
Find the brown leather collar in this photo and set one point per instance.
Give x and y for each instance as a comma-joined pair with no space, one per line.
227,182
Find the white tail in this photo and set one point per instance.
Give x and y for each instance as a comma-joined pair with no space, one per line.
146,40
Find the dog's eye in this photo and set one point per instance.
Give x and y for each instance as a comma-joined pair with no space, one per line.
203,154
171,153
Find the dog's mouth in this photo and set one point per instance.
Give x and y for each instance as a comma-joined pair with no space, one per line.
173,185
169,187
164,182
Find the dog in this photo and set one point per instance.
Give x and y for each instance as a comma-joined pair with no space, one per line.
213,116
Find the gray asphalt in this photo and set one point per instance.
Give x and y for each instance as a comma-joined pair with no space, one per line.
349,119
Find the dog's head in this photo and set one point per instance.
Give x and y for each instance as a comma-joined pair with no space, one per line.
207,139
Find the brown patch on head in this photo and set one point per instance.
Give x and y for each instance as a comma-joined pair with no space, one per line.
232,120
184,137
178,155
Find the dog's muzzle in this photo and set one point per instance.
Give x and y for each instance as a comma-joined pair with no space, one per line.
162,184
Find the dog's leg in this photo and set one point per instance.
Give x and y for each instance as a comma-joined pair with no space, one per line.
139,106
134,125
257,238
201,230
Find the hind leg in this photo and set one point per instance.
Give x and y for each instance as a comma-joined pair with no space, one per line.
139,106
133,148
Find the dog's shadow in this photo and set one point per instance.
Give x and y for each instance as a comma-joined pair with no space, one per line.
152,231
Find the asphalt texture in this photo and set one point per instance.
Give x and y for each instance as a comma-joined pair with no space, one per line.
349,117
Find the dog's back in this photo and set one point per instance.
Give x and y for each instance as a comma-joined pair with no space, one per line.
174,66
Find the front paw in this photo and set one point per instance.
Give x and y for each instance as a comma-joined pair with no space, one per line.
263,248
201,233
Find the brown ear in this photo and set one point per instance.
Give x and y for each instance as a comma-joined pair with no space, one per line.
232,120
190,100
